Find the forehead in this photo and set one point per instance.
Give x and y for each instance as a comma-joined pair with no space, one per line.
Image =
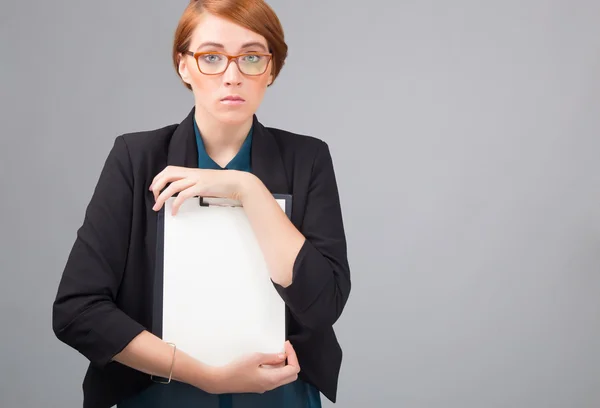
215,29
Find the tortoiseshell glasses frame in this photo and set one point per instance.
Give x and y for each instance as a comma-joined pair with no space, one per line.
235,58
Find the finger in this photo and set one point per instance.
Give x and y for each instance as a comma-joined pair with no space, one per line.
162,182
277,377
169,191
169,170
169,174
184,195
290,379
159,175
282,364
292,358
158,185
273,365
165,171
269,359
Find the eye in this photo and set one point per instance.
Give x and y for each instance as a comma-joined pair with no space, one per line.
252,58
212,58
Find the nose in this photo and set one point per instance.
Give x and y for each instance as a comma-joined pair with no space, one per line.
232,75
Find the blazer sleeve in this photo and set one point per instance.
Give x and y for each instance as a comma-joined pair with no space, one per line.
84,314
321,274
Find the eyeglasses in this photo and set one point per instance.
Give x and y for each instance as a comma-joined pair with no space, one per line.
215,63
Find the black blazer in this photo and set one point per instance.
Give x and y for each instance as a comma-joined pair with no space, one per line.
105,296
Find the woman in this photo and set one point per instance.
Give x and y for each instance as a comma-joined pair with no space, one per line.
227,53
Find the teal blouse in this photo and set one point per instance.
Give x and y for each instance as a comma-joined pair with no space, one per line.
298,394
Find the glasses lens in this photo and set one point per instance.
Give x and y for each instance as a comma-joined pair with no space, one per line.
249,64
212,63
253,64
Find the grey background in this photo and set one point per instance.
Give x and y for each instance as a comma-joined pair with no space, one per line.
465,138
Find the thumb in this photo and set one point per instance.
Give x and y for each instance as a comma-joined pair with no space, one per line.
269,359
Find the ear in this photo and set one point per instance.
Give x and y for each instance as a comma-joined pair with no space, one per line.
183,70
271,78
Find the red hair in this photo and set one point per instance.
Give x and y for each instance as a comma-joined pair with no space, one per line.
255,15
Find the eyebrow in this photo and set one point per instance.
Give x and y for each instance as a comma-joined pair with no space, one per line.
221,46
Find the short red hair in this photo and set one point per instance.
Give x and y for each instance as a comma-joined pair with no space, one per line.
255,15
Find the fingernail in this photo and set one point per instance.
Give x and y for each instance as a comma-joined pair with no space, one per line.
281,356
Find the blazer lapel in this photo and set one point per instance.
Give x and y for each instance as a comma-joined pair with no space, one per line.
267,163
266,160
183,151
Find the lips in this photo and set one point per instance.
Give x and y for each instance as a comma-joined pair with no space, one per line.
233,98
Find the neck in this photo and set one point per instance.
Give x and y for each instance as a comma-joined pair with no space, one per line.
221,140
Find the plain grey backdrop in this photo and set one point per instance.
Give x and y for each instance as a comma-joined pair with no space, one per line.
465,137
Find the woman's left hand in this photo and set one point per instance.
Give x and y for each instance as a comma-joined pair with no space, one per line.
190,182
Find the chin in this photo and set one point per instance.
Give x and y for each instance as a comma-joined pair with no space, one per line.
234,116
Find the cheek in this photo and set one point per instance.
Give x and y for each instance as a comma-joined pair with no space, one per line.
259,86
256,93
202,82
206,88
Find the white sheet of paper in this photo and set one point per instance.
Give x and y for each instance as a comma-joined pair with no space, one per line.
218,300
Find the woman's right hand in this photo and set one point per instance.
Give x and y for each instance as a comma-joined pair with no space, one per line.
258,373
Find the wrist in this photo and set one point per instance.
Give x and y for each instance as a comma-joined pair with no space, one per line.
247,184
217,377
208,378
